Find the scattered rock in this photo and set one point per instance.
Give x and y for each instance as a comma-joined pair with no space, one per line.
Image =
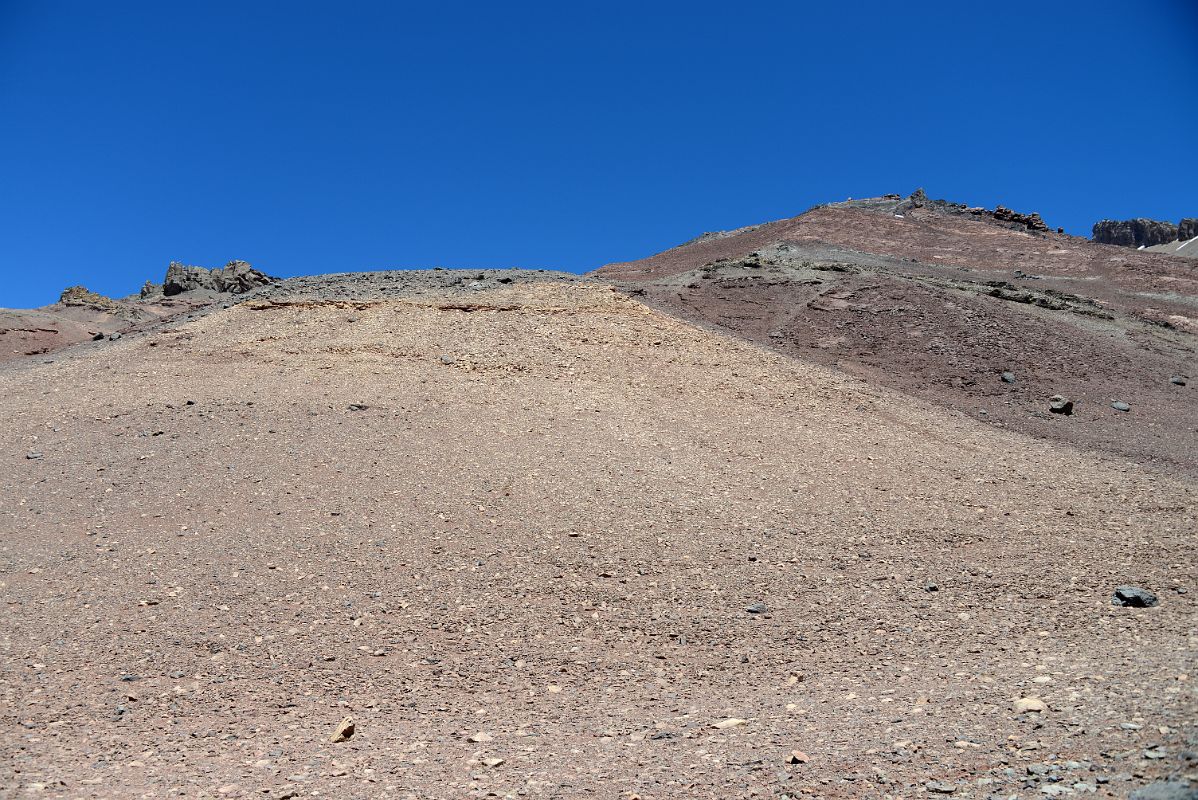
236,277
1178,380
1026,705
931,587
480,738
1165,790
357,406
1119,405
112,337
797,757
345,730
1059,405
939,787
448,360
492,761
757,608
33,455
1008,377
1133,597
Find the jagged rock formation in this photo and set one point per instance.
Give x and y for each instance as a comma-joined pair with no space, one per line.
919,199
1139,232
236,277
1187,228
84,297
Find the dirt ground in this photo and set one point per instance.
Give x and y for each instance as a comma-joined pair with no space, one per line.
540,540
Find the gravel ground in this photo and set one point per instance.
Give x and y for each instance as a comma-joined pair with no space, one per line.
539,540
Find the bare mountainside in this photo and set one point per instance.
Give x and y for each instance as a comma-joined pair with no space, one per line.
536,539
973,310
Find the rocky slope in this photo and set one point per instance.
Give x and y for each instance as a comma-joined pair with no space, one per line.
969,309
536,539
81,315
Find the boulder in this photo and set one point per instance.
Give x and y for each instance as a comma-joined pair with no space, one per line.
1187,229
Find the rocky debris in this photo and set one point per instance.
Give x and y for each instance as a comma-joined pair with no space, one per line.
491,761
344,731
480,738
1057,404
1166,790
1030,705
33,455
1177,380
1119,405
236,277
1139,232
1187,228
757,608
1002,215
1008,377
940,787
797,757
1133,597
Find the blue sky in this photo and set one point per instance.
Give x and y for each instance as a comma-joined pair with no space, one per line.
314,137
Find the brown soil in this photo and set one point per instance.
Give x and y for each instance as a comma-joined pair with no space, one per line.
540,512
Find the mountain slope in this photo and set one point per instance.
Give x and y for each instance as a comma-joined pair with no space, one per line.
940,303
542,512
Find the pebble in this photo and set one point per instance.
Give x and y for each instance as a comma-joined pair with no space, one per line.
33,456
1119,405
797,757
1133,597
731,722
1026,705
757,608
344,730
1008,377
479,737
1177,380
940,787
492,761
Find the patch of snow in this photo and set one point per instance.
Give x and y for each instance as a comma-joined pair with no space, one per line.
1141,247
1189,241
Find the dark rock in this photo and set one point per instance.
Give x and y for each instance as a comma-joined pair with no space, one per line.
236,277
1119,405
1178,380
757,608
931,587
1059,405
1187,229
1008,377
99,337
1133,597
1138,232
1166,790
358,407
33,456
150,289
83,297
1032,221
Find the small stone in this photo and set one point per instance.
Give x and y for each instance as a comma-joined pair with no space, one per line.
931,587
345,729
731,722
1133,597
112,337
797,757
1059,405
358,407
492,761
1008,377
33,456
479,737
448,360
1025,705
757,608
1119,405
939,787
1178,380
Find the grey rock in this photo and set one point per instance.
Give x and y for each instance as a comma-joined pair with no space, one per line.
447,360
1133,597
1119,405
939,787
33,456
236,277
757,608
1138,232
1059,405
1178,380
112,337
1166,790
1187,228
1008,377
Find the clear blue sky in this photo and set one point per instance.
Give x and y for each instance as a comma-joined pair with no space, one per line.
312,137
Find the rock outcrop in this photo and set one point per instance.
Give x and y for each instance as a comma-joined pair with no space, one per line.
1188,228
83,297
1138,232
236,277
1002,215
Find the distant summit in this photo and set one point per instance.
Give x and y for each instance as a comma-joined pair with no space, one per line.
1150,234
